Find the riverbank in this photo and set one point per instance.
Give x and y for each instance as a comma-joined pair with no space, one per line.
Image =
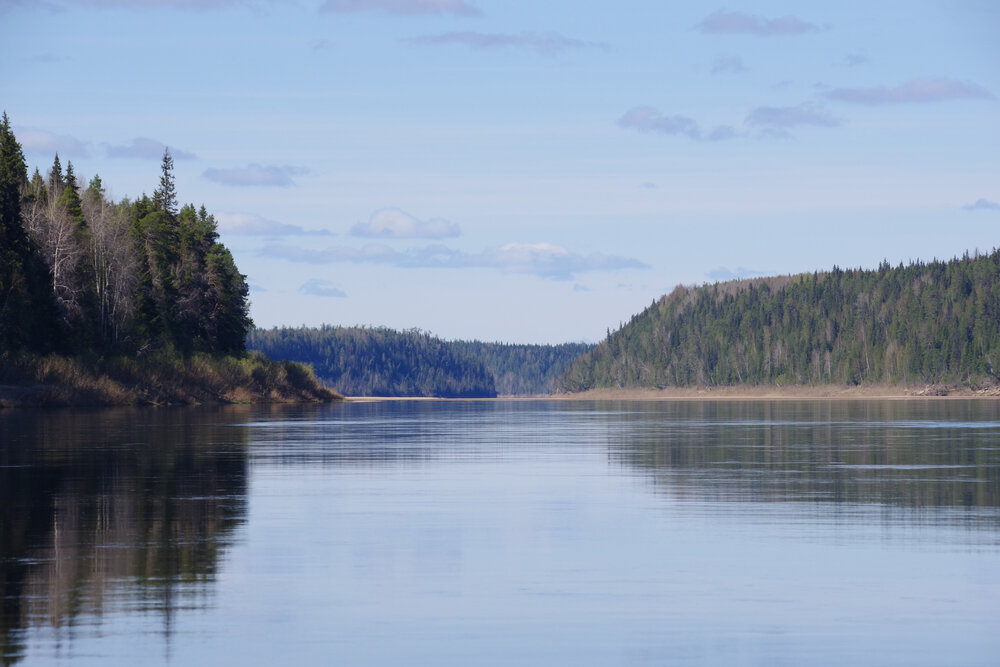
794,392
758,393
157,379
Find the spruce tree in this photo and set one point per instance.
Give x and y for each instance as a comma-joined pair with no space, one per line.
27,307
165,196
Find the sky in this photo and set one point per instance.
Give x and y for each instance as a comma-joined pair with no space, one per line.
525,172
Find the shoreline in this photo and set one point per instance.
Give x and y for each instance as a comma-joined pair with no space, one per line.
758,393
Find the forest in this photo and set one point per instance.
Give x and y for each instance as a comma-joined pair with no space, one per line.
131,288
376,361
936,322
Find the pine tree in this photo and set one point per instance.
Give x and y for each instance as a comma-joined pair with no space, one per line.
27,308
165,196
70,197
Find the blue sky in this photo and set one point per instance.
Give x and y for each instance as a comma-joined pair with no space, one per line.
521,171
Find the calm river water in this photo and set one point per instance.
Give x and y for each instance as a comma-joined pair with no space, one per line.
543,532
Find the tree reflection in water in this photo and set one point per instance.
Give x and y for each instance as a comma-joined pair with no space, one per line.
113,510
905,454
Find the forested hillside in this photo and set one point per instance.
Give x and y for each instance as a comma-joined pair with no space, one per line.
132,288
520,370
362,361
936,322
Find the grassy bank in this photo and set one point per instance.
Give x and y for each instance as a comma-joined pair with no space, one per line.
160,378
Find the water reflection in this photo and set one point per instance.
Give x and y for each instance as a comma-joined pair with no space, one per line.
416,532
907,454
115,509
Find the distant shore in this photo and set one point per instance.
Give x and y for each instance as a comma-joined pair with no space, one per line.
758,393
793,392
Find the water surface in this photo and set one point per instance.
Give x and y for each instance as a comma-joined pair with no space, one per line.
541,532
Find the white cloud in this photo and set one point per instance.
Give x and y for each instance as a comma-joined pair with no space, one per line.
411,7
982,205
392,223
325,288
648,119
255,174
546,43
147,149
916,91
246,224
540,259
33,140
737,23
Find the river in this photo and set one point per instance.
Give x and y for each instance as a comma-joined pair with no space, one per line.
503,532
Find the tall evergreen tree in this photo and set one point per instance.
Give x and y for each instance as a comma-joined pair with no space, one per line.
70,197
27,308
165,196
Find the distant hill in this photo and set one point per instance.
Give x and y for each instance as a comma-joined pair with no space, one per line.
936,322
366,361
520,370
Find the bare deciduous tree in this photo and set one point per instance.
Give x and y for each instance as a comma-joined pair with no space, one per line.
114,262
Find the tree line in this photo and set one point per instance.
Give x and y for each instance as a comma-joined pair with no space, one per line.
81,272
365,361
936,322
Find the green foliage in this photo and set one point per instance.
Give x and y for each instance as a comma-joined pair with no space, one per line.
78,272
361,361
27,306
922,323
520,370
378,361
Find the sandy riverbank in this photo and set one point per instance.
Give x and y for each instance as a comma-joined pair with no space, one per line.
796,393
759,393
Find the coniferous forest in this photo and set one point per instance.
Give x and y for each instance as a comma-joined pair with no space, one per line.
120,289
363,361
121,299
936,322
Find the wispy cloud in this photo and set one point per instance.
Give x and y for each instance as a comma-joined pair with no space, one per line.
982,205
246,224
539,259
722,273
255,174
916,91
392,223
147,149
739,23
648,119
411,7
776,121
33,140
59,5
728,65
855,59
545,43
318,287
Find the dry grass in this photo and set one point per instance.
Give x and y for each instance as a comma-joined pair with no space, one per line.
156,379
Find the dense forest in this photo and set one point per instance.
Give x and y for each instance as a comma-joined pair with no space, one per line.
522,370
362,361
146,279
936,322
